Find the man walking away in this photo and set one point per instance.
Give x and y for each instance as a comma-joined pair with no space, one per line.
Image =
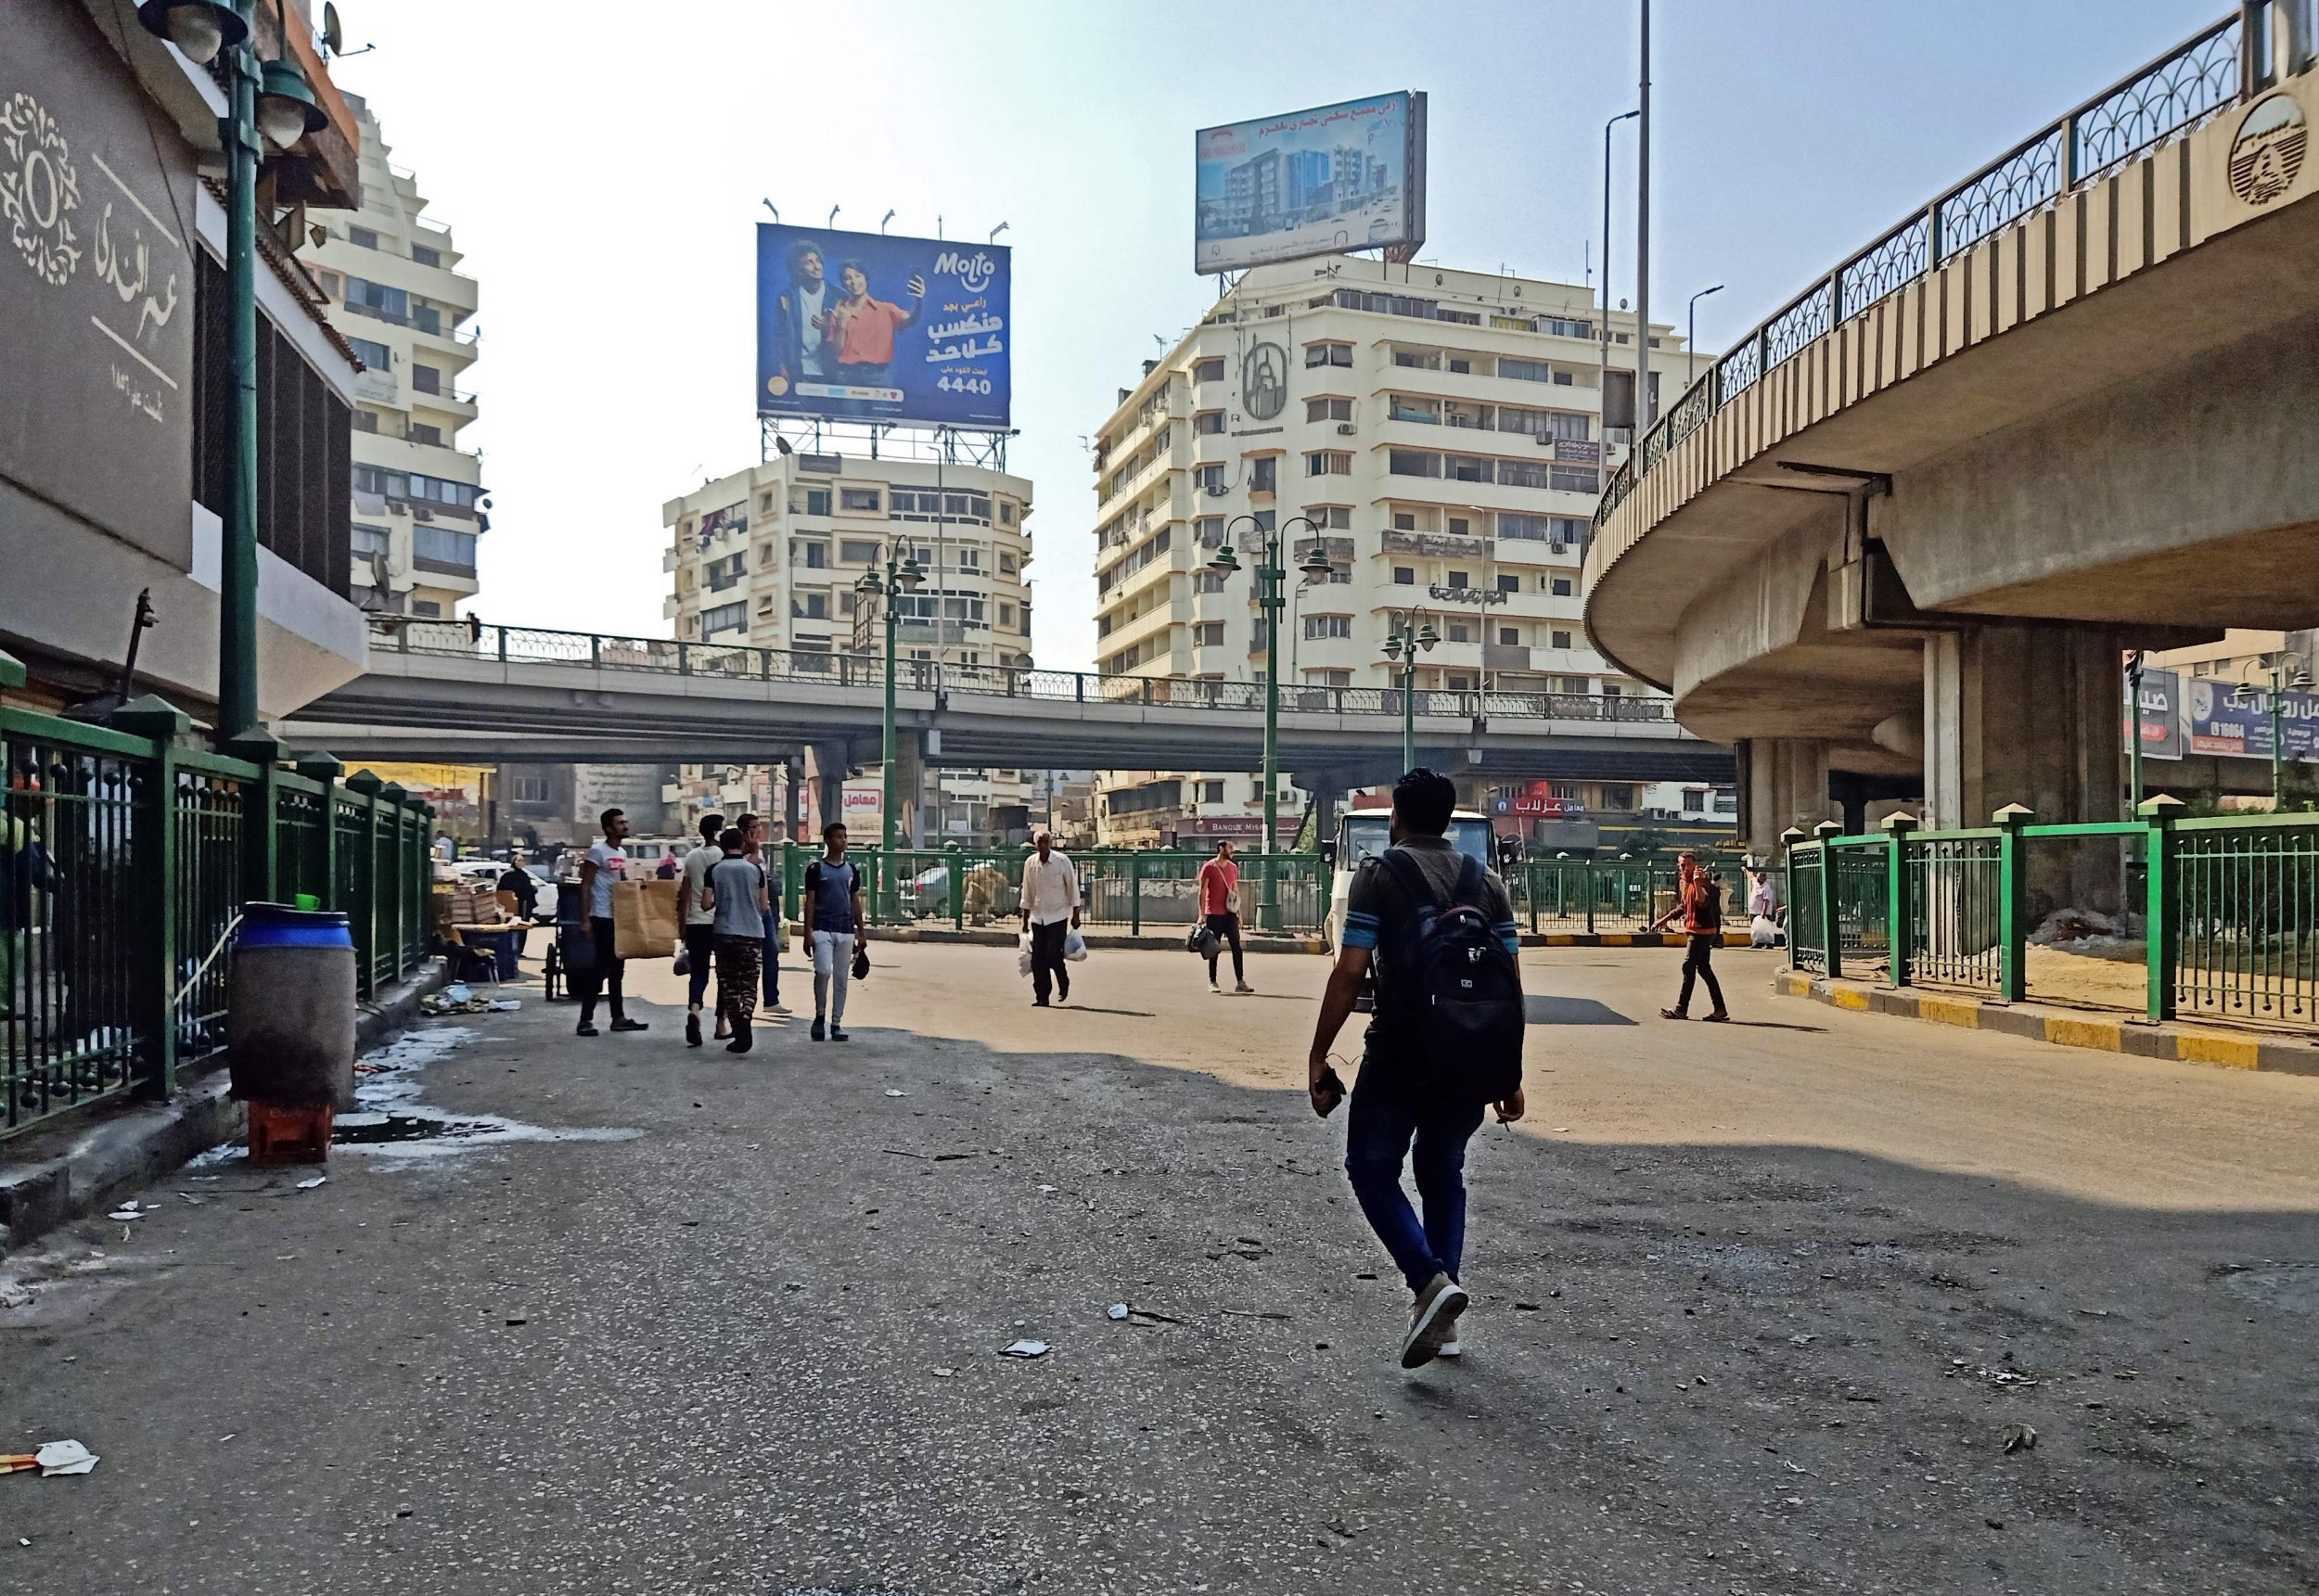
736,902
698,921
1219,908
1050,910
1698,900
753,827
833,920
606,864
1446,1041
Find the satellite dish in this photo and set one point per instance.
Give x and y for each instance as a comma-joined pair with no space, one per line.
333,35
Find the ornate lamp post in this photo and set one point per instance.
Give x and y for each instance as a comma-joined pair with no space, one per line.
1271,600
2288,676
905,575
1402,647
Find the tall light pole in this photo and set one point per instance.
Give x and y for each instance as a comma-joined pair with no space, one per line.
2283,680
1643,243
1402,644
1271,600
2134,663
904,575
267,102
1691,339
1602,387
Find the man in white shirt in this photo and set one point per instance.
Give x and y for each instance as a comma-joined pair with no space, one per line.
700,923
1050,910
607,865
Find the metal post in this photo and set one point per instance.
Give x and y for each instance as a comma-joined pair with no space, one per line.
2012,902
1899,922
1642,245
1135,895
1269,582
1787,840
363,913
1602,387
1409,707
2161,904
2278,746
237,555
888,794
2133,730
1831,928
393,795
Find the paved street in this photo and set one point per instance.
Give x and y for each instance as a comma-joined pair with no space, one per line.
1754,1309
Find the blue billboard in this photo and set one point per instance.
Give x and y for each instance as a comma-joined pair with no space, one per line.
1348,176
2220,724
866,327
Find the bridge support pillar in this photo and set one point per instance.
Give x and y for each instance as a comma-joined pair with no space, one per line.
1783,784
825,769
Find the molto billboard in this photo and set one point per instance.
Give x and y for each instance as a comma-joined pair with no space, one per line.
1347,176
865,327
2219,726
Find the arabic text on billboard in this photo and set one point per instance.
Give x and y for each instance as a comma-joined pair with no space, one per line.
862,327
2160,720
2219,725
1349,176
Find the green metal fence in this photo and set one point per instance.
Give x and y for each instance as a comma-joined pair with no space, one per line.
2218,918
1594,895
123,862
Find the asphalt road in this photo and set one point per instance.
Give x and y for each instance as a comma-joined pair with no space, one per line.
1754,1309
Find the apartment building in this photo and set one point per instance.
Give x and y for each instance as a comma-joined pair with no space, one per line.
397,295
1437,434
769,557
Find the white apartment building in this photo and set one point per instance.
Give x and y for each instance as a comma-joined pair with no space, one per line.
769,557
1438,433
397,296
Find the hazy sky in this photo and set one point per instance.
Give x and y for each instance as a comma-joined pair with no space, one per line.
602,166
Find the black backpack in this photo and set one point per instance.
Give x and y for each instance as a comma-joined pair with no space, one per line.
1454,994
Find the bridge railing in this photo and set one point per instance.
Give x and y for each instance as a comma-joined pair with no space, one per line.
2218,918
2177,92
532,645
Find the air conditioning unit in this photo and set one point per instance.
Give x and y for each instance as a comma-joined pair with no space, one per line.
1346,429
1217,490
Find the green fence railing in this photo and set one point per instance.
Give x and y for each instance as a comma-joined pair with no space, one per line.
1588,894
124,860
2214,918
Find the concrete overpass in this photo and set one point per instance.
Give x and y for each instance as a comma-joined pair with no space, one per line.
1895,542
452,691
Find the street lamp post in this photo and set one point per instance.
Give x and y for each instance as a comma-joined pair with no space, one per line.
1691,339
903,575
2288,674
2133,730
1402,645
1602,390
1271,600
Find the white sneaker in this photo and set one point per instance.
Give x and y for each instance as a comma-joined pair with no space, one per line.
782,1011
1453,1348
1242,987
1433,1322
1216,988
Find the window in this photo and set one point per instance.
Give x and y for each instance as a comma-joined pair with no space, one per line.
425,256
764,604
1576,685
1208,478
1328,410
1006,566
376,356
809,500
1211,792
1328,678
368,541
1404,521
1405,576
731,617
1562,640
425,318
816,556
1263,474
1329,463
1511,525
388,304
1459,632
1574,478
423,433
1511,636
1695,798
812,607
1208,582
1007,615
1561,329
527,789
1509,582
858,552
426,378
1319,626
1564,379
1458,361
361,237
970,557
1208,370
859,499
1560,587
1005,513
1209,530
1207,422
332,283
1336,518
1328,354
1413,463
1460,680
1208,635
1461,578
1418,360
365,421
1523,473
1459,526
426,609
1611,690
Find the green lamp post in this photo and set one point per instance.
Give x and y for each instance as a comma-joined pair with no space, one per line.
1403,643
2286,676
904,575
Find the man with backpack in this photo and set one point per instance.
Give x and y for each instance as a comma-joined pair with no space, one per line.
1699,900
1437,927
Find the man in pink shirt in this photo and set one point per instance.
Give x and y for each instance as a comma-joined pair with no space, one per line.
1219,899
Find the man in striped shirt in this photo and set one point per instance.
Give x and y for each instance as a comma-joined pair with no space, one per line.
1395,1103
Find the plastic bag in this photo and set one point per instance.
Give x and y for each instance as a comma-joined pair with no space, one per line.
1764,933
1074,946
1022,960
683,964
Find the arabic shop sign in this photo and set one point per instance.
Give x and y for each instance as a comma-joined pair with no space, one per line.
1466,594
2220,724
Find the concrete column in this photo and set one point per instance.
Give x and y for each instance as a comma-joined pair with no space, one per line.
1783,782
1944,730
793,795
826,765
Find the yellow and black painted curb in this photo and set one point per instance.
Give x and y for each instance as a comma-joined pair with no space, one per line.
2068,1027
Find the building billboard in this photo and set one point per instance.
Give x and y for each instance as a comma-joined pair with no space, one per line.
2160,720
864,327
2219,726
1347,176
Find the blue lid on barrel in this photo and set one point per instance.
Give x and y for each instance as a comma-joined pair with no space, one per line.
279,926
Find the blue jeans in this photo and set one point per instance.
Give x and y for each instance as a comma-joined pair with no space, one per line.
1389,1111
773,957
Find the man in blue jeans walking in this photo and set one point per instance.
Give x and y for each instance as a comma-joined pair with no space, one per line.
1396,1103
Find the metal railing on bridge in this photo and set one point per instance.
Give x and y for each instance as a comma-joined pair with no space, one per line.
124,861
2172,95
667,655
2217,917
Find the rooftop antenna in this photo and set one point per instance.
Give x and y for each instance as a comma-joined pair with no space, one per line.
833,214
772,207
334,35
883,219
997,230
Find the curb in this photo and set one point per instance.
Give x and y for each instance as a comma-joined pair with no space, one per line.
2188,1043
1621,940
56,1175
1001,936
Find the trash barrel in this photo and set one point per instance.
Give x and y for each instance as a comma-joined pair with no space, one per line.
290,1014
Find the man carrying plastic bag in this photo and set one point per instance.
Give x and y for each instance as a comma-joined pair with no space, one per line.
1050,913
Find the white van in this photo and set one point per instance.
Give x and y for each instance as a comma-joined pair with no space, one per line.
1365,834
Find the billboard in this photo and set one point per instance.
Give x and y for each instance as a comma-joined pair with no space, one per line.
2219,726
1347,176
2160,721
862,326
864,812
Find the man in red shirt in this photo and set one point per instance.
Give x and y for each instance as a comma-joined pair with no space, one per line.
1219,895
1699,900
862,329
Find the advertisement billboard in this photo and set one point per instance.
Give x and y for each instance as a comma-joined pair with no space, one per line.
2161,718
1347,176
2219,726
864,808
864,327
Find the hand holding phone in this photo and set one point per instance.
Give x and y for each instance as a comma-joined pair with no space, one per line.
1328,1091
